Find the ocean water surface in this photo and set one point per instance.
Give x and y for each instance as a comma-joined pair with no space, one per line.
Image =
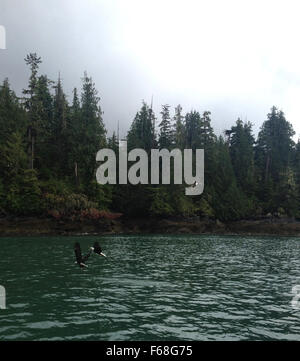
151,288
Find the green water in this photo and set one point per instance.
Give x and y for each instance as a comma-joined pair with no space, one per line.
151,288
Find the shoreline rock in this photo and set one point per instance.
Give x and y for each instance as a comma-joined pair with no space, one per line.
52,227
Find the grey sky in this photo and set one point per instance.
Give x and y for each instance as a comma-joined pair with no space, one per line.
235,58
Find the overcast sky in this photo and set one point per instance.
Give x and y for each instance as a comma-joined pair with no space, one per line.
235,58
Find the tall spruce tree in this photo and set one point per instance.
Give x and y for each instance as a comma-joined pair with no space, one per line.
59,131
274,145
178,128
93,136
75,132
33,106
241,147
165,133
192,126
228,201
12,115
142,130
273,155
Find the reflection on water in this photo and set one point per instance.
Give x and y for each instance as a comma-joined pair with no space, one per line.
151,288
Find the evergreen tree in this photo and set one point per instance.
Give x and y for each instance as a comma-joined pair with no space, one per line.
60,131
48,162
113,143
33,106
12,129
207,136
93,136
44,97
274,145
273,156
12,115
179,129
165,134
192,126
13,159
142,131
228,201
75,132
241,142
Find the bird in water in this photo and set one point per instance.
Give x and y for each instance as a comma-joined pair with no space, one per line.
80,259
97,249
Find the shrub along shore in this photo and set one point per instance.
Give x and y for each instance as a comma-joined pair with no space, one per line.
51,226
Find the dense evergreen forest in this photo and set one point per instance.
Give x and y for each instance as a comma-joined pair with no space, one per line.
48,147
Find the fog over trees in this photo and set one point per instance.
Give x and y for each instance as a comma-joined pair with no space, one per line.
48,157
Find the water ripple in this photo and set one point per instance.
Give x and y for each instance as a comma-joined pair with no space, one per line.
151,288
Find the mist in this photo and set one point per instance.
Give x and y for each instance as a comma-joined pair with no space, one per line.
235,59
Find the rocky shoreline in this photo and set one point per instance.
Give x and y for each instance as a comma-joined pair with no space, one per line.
51,227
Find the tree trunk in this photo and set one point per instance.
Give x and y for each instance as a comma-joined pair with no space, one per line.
32,151
76,173
267,167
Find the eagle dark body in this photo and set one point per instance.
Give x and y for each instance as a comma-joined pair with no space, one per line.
80,259
97,248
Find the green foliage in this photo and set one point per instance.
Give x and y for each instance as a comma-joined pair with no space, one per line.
183,205
165,134
66,205
100,194
13,117
142,133
227,199
160,203
205,208
13,159
241,143
30,192
178,128
55,187
23,194
48,150
274,154
274,145
92,131
2,199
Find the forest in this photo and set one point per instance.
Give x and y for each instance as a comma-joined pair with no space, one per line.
48,149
